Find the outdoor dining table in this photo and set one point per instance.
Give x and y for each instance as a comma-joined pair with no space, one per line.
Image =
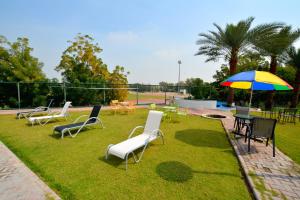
240,121
169,110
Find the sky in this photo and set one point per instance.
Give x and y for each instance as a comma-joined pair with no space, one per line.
147,37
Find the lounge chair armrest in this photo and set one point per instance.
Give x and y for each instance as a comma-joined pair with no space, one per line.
97,119
53,113
40,107
76,120
132,132
156,131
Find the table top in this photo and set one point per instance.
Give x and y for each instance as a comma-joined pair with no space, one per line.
169,107
249,117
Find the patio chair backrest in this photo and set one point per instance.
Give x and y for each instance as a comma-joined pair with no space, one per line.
50,102
290,111
263,127
153,121
65,108
95,112
242,110
114,102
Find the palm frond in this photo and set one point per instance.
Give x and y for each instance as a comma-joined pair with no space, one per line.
293,57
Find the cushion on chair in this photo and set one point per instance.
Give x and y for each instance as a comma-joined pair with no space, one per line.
122,149
31,119
79,124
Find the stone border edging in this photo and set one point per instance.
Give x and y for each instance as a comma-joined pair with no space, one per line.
249,181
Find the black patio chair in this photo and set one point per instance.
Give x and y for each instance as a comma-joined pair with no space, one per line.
289,115
92,120
274,112
35,111
241,111
262,128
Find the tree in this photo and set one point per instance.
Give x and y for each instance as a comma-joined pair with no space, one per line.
83,70
118,79
230,42
18,65
274,46
80,62
294,61
200,89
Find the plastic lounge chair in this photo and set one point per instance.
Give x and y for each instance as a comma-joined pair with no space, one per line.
37,110
152,106
92,120
150,133
262,128
42,120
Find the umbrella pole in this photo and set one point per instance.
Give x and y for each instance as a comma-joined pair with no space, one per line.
251,94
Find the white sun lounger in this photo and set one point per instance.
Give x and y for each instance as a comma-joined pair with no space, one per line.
42,120
38,110
150,133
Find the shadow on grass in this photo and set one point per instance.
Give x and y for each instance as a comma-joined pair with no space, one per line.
175,171
112,160
229,151
202,138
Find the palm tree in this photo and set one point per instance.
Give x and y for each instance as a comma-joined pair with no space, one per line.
274,46
230,42
294,61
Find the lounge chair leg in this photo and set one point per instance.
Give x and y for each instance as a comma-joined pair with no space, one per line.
162,138
126,163
273,146
135,158
101,124
249,143
70,133
106,154
161,134
62,134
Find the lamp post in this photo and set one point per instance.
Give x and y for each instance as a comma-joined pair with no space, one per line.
179,63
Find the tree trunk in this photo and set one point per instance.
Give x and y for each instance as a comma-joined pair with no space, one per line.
232,70
295,98
273,65
273,69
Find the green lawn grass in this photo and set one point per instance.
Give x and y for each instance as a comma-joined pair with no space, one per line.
196,162
287,138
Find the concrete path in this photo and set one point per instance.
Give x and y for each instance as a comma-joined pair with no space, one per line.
268,177
18,182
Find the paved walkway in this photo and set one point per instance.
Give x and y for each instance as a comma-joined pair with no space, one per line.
17,182
268,177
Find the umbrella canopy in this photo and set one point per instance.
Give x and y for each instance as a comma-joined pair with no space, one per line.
256,80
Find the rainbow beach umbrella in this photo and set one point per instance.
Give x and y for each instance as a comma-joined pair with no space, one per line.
256,80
